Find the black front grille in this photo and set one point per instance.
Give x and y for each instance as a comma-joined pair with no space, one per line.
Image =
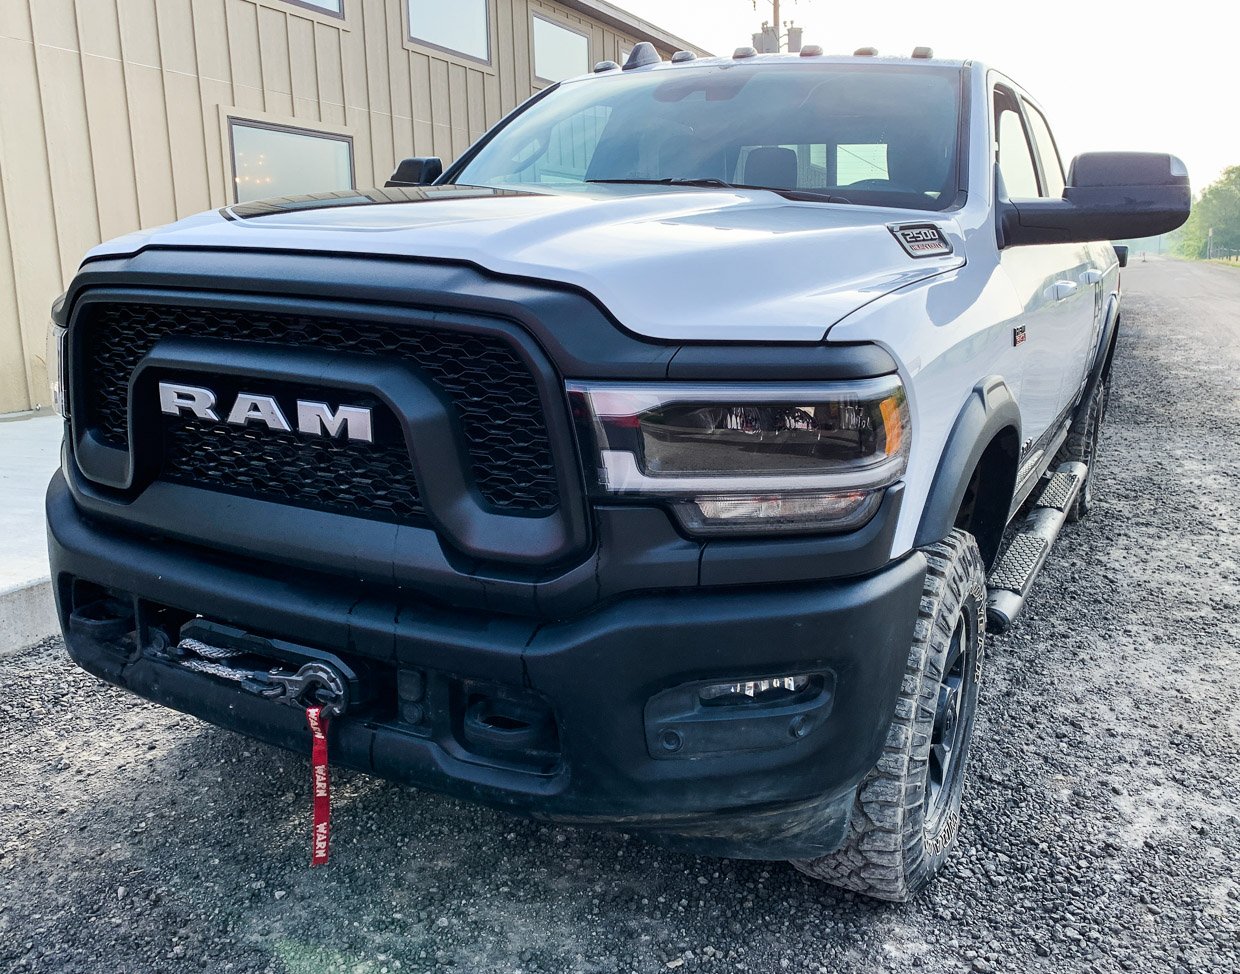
493,390
370,480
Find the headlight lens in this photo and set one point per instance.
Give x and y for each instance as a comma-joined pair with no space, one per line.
757,459
57,359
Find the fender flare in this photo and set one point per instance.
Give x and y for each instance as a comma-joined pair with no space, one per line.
1102,358
989,410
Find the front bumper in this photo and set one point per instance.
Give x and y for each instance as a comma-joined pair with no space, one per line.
603,677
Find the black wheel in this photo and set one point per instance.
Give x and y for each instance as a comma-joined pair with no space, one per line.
907,813
1082,446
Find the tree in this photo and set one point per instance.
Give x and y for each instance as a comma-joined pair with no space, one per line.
1218,209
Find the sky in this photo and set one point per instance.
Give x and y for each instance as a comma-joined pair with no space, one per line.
1111,76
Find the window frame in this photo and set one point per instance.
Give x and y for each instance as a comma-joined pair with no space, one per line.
232,118
1028,109
315,8
537,79
1009,92
414,43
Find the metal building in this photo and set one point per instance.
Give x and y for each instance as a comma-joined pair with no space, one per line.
121,114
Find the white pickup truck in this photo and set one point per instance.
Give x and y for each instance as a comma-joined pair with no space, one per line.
659,465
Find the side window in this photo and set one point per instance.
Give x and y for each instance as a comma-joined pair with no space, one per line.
1052,165
1020,176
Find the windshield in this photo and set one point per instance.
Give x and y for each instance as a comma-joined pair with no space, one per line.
872,135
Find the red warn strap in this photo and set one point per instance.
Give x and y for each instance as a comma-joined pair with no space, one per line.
320,839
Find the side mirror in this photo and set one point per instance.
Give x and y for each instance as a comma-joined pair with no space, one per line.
421,171
1110,196
1121,251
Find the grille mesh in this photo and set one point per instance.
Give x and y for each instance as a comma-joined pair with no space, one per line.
493,391
371,480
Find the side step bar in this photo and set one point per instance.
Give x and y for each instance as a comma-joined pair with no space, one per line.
1013,578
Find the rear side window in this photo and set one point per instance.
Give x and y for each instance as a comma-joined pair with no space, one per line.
857,163
1052,165
1020,175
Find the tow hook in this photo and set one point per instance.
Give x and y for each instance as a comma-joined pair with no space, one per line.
315,684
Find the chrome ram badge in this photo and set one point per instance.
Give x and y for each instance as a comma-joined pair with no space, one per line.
313,418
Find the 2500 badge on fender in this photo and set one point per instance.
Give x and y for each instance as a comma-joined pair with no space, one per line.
662,471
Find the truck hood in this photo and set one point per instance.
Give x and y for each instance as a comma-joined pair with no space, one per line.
676,264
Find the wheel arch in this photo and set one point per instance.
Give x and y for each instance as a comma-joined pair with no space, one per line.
976,476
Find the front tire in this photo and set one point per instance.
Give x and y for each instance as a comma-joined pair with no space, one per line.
906,817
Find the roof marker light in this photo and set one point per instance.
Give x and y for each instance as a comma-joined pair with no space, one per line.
680,57
605,66
866,52
643,54
811,50
923,53
744,52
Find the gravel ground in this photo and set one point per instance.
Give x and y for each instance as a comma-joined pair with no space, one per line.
1100,827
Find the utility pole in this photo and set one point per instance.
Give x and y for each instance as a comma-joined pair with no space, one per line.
777,24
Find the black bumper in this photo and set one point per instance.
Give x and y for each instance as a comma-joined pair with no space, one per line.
630,749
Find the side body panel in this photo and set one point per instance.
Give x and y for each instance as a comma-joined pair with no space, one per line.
996,318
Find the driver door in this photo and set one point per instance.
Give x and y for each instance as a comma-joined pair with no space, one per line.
1057,304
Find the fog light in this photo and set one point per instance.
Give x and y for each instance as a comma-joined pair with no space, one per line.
763,691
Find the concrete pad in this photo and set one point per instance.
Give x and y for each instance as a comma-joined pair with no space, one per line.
27,617
29,455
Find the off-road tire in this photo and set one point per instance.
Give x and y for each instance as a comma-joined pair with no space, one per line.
898,838
1082,446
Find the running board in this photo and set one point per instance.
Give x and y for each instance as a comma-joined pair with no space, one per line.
1013,578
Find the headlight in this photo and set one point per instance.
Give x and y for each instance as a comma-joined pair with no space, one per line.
747,458
57,360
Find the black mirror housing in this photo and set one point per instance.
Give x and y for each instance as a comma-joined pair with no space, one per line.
1110,196
419,171
1121,253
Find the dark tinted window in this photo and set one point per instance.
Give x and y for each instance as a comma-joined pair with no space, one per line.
879,136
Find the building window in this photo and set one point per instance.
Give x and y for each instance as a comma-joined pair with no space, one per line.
273,160
559,52
462,26
333,7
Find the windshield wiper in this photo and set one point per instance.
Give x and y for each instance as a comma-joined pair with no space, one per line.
711,182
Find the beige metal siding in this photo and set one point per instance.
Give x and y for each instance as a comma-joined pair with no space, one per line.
113,117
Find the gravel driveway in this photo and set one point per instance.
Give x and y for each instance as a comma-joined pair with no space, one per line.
1101,826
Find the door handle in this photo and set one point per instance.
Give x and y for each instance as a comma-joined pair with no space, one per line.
1091,278
1062,290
